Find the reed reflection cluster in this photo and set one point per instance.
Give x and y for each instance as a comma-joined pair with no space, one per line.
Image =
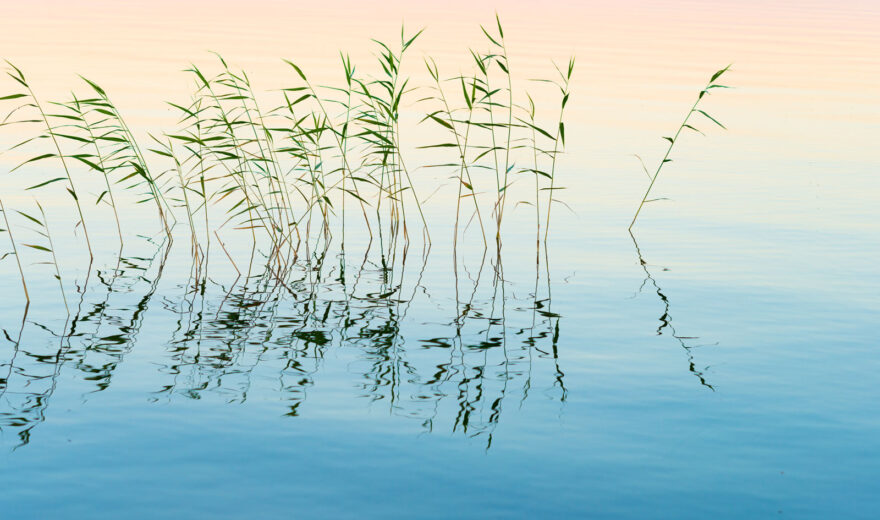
457,371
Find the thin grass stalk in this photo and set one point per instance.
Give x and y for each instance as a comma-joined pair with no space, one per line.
167,150
76,106
54,257
490,108
223,246
239,176
349,75
336,135
537,190
387,115
203,193
405,43
560,139
672,140
140,163
266,154
503,62
396,96
184,187
450,125
277,193
51,132
15,253
464,148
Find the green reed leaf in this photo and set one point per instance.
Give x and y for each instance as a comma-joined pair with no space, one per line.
34,159
719,73
32,219
297,69
40,185
712,119
491,39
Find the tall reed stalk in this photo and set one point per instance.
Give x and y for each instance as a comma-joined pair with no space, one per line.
8,231
445,118
18,77
672,140
500,57
559,140
122,134
97,161
43,230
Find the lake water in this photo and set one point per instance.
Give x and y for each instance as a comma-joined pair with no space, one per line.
720,362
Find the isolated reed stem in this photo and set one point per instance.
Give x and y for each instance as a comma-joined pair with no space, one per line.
672,140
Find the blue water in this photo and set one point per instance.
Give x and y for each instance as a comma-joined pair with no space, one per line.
675,389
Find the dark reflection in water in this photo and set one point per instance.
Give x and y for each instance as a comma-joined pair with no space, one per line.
93,342
456,365
665,320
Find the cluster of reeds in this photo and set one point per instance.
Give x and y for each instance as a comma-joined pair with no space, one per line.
286,173
490,127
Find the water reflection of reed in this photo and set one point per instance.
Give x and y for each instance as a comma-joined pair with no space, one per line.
665,320
226,341
93,342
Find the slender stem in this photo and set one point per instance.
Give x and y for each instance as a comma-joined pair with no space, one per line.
462,150
103,167
54,258
15,252
345,163
66,171
662,162
509,132
552,178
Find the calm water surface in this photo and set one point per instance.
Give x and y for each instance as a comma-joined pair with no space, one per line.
721,363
